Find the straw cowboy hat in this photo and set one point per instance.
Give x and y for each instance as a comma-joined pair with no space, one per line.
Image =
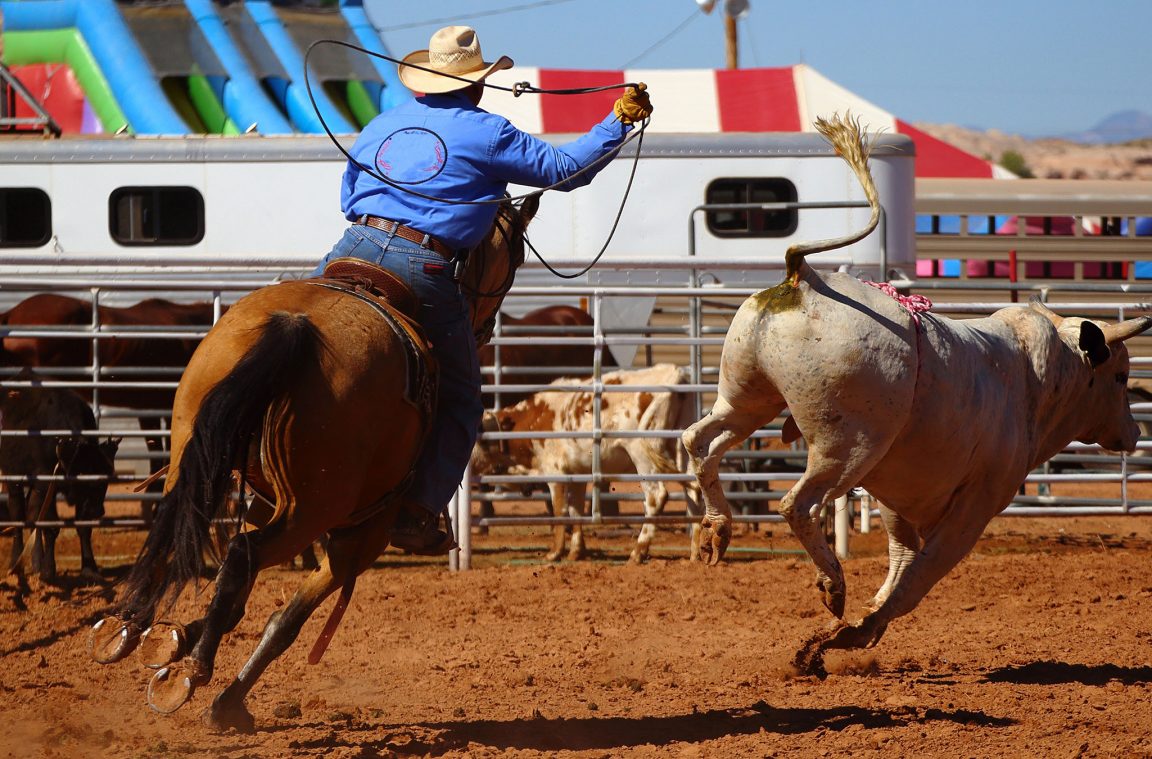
452,50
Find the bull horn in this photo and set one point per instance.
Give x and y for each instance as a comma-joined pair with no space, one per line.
1052,316
1118,333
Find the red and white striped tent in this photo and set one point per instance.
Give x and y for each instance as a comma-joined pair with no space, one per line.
707,101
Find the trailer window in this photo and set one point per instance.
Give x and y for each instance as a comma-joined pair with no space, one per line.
25,217
751,223
156,215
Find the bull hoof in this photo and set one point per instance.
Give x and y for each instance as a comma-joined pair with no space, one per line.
832,594
170,688
714,538
112,639
553,555
161,644
222,717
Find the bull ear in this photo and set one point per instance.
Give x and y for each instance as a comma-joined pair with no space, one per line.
488,422
1115,333
1094,344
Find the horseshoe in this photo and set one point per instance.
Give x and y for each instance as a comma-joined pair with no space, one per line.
161,644
111,639
170,688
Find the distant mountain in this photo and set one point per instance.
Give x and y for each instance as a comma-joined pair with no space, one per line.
1120,127
1057,158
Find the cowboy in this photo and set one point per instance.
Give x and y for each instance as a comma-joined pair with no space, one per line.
442,145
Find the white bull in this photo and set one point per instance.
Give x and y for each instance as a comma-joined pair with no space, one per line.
941,420
554,411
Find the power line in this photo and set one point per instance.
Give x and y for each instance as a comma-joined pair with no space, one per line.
459,17
683,24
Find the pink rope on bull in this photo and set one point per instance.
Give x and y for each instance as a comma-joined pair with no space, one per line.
913,304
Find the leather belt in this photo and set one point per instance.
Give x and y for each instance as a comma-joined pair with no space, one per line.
412,235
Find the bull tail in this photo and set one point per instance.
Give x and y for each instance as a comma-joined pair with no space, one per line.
229,415
851,143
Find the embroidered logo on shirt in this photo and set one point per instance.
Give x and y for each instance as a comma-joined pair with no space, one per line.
411,156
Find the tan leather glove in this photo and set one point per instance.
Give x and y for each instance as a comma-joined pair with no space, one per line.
633,105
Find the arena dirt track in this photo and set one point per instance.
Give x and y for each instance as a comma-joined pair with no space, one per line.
1039,644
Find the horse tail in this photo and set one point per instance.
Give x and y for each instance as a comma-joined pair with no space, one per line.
228,417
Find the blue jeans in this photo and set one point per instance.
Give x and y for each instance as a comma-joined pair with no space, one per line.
443,313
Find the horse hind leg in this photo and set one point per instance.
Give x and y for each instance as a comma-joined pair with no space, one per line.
349,553
174,685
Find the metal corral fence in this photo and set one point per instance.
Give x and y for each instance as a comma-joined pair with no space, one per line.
686,327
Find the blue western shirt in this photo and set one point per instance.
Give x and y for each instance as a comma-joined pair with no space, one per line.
445,147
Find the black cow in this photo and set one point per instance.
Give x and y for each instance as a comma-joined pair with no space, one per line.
85,463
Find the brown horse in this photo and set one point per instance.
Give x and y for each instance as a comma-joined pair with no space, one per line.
309,389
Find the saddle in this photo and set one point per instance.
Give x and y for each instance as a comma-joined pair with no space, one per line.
395,302
376,280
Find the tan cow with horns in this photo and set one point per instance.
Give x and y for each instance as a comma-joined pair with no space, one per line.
645,409
941,420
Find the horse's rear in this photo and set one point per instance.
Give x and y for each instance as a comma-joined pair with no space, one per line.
337,435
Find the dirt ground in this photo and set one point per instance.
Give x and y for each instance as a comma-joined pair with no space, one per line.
1038,644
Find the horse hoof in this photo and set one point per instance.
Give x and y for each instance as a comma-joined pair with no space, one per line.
161,644
112,639
224,718
169,689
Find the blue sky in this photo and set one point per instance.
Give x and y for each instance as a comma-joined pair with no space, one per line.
1032,67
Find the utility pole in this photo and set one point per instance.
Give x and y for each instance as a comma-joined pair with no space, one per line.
734,10
733,43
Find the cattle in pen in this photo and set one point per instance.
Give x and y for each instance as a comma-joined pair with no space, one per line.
541,361
940,420
653,406
37,467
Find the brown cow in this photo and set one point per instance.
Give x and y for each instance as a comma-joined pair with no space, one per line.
619,411
167,356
